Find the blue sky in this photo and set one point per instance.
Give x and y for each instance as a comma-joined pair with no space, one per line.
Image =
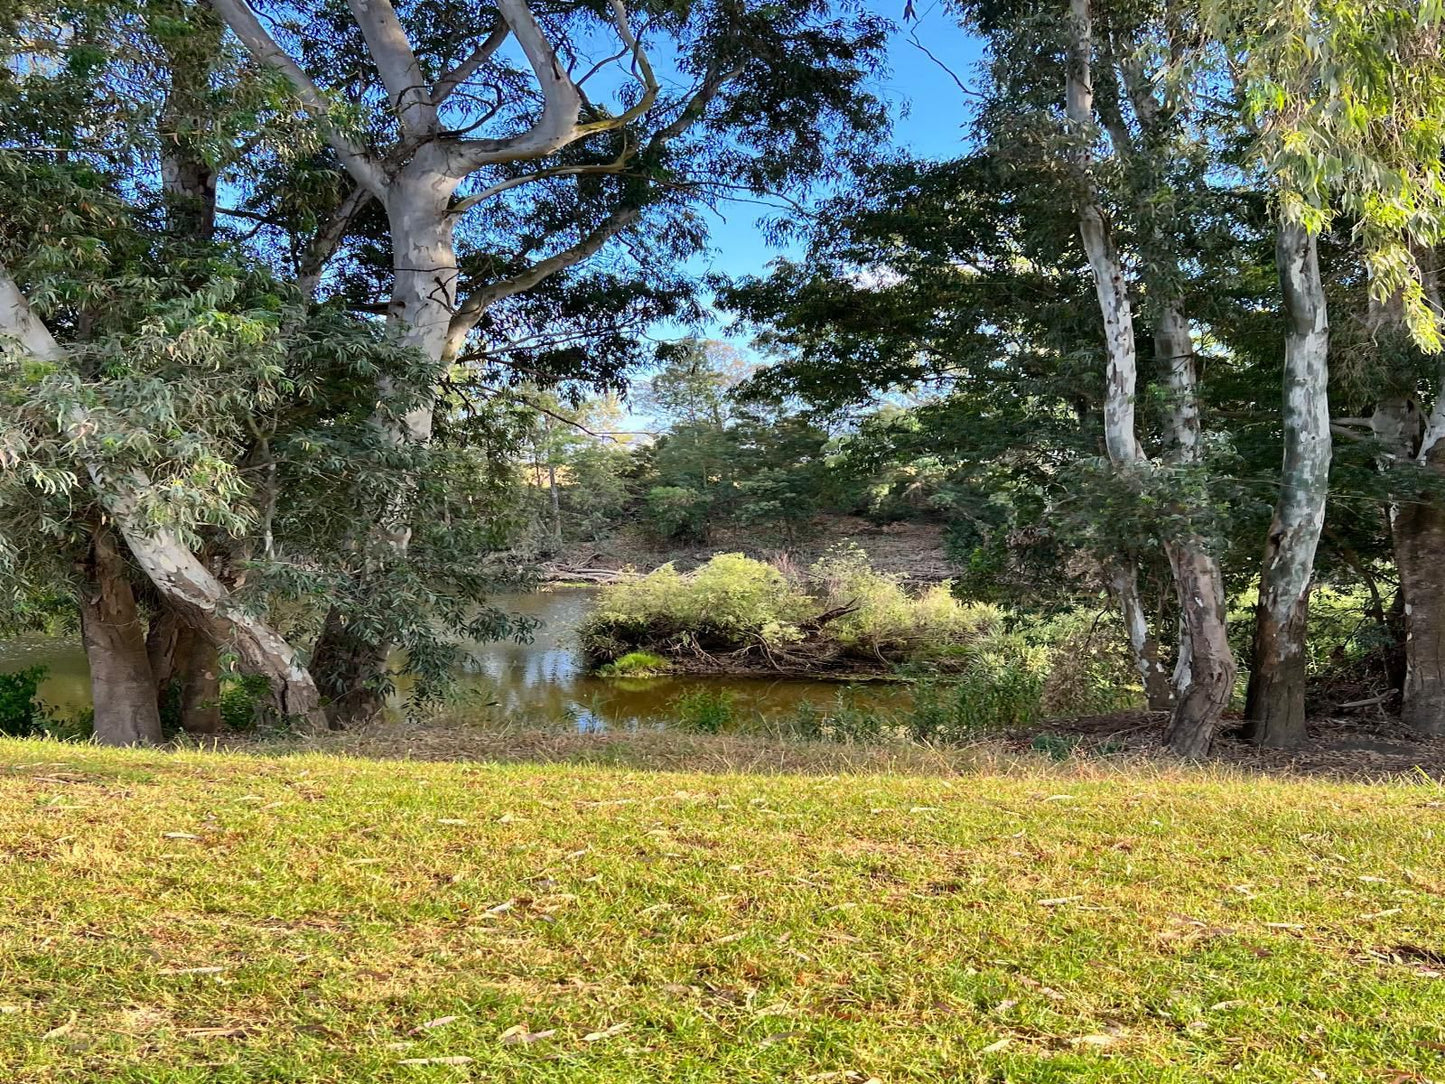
928,110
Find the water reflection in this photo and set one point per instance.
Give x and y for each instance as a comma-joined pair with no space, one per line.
537,682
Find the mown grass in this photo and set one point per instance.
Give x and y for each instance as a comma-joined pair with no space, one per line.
213,917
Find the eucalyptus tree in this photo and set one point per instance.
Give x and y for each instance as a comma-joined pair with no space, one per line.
105,461
528,113
1144,100
1347,103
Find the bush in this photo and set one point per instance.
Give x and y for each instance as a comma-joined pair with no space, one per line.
732,597
635,664
21,715
1091,671
678,513
245,701
703,711
890,620
999,686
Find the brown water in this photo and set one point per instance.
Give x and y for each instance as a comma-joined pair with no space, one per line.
537,682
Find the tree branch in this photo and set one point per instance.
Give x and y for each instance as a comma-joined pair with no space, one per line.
238,15
387,42
477,303
323,246
471,65
561,102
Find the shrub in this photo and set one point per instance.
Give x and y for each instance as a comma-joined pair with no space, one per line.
999,686
889,619
245,701
732,597
703,711
678,513
21,715
1091,671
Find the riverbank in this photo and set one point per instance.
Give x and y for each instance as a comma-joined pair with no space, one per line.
913,551
187,917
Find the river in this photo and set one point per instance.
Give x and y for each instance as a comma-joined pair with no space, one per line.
541,682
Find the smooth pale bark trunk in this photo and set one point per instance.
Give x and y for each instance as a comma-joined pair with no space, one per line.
122,687
203,602
1276,702
1204,678
351,669
1143,647
1199,703
1121,378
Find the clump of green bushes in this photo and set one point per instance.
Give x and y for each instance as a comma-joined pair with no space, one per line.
736,613
974,667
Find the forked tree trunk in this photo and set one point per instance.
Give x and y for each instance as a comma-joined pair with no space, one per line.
1204,680
182,580
122,688
1276,701
349,667
1111,289
202,601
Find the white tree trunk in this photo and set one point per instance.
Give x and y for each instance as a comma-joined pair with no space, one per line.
1276,705
1122,367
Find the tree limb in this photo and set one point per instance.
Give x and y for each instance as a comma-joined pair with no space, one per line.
469,67
387,42
323,246
238,15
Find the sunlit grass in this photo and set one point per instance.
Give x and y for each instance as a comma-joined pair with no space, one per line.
219,917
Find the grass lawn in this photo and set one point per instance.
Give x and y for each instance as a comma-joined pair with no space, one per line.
174,917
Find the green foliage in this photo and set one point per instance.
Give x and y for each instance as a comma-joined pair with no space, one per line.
886,618
244,702
704,711
635,664
677,513
21,714
999,686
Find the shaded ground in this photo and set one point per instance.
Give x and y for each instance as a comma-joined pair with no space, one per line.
1341,747
912,550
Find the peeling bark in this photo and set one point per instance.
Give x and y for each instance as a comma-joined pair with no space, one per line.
1121,378
1276,701
121,684
1204,682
